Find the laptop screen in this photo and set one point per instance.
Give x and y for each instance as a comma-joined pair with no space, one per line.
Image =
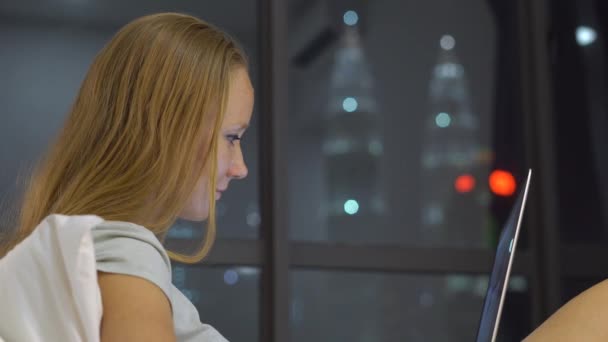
492,307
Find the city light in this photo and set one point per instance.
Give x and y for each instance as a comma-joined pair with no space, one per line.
464,183
231,277
350,104
447,42
253,219
502,183
375,147
351,18
351,207
443,120
585,35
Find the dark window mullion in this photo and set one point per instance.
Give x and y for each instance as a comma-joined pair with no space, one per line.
373,258
272,15
534,20
399,259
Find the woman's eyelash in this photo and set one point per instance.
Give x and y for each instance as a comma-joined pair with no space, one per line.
233,137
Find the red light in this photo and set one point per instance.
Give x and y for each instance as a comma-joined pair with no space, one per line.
464,183
502,183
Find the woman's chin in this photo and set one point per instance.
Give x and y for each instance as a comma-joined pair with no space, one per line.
194,216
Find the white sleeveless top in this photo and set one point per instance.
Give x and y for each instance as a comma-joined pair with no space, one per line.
126,248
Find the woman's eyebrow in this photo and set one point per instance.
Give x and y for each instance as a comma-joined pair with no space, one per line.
239,127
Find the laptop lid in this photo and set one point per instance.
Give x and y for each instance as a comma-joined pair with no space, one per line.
499,279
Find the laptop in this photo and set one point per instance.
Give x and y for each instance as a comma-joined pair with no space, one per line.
499,279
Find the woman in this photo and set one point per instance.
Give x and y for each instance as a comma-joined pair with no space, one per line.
582,319
154,135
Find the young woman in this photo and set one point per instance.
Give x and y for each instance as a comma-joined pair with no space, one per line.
153,135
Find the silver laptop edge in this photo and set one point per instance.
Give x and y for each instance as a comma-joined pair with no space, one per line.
512,255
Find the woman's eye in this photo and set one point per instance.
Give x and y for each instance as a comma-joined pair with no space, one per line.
232,138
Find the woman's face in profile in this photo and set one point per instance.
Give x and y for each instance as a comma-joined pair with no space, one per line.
230,163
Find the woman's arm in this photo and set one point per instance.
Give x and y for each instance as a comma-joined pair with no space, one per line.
584,318
134,309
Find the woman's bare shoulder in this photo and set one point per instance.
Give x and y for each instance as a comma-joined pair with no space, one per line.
584,318
134,309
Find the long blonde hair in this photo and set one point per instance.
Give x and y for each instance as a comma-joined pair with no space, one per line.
142,130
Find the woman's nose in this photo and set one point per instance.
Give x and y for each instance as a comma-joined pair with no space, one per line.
238,168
